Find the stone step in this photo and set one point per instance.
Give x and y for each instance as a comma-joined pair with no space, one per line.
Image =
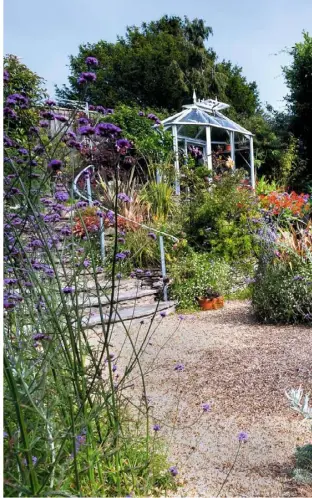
93,301
130,313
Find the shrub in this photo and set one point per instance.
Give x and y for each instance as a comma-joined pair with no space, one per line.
282,291
219,218
193,274
303,457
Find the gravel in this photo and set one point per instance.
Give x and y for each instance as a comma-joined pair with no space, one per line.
242,369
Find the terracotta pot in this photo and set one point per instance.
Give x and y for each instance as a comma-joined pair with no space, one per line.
228,148
210,304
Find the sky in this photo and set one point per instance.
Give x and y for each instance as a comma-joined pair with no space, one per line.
250,33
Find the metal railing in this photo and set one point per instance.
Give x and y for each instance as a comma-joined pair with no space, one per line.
161,234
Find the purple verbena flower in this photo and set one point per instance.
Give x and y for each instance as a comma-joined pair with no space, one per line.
50,102
122,145
9,113
86,130
83,121
61,118
156,427
206,407
61,196
107,129
152,235
6,75
86,77
68,290
179,367
44,124
92,61
242,437
47,115
173,470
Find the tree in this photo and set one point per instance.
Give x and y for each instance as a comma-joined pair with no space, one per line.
159,65
298,77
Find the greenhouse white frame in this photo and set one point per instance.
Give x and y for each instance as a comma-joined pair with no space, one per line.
206,114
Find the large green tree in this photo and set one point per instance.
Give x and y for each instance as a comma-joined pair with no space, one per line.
298,77
159,65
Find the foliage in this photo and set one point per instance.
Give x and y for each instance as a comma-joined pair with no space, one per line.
193,274
218,220
298,77
159,65
282,292
265,187
159,200
70,426
303,457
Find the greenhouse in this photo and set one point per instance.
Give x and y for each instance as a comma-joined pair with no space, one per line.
203,126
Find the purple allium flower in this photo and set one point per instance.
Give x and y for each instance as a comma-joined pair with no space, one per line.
86,77
242,437
83,121
6,75
179,367
206,407
44,124
152,235
86,130
61,118
156,427
50,102
107,129
9,113
47,115
122,145
92,61
173,470
68,290
61,196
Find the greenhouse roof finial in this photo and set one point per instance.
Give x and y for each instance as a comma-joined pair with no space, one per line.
194,97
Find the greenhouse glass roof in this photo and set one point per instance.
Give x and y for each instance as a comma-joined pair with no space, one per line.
205,113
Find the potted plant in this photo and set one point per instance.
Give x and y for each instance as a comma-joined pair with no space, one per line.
210,300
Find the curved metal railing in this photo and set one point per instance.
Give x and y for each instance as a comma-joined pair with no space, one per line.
161,234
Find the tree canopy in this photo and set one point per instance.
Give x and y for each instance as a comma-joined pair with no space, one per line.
298,77
159,65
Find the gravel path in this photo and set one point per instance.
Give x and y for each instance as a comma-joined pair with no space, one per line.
242,369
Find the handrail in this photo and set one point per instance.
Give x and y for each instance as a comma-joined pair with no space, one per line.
102,235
